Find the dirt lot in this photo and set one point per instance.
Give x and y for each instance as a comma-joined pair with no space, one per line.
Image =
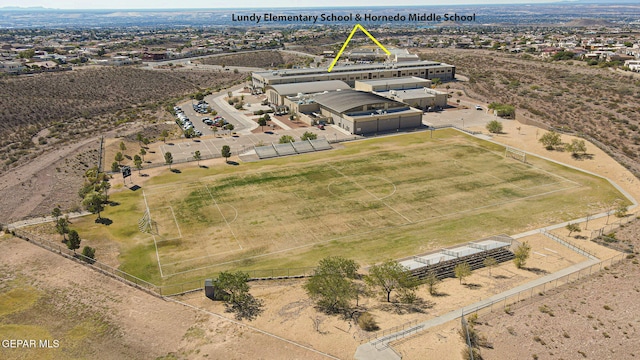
46,297
594,318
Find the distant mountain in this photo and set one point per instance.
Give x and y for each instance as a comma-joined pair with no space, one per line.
588,23
9,8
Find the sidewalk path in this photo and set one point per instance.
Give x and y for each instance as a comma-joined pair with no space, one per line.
41,220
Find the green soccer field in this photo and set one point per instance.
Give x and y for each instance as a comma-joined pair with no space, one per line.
370,200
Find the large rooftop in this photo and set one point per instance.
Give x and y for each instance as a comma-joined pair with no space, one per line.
395,81
349,68
341,101
309,87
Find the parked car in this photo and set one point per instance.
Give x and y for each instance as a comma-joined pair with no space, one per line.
478,107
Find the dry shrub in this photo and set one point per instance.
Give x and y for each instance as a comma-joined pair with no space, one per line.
367,322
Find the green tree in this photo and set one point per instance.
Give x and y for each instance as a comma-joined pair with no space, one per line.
573,228
27,54
215,130
489,262
197,157
226,152
577,147
62,227
494,126
237,297
522,254
432,282
332,284
621,211
143,152
94,202
119,157
122,146
435,82
229,127
115,167
73,242
262,122
139,137
137,162
284,139
146,141
190,132
550,140
308,135
390,276
165,135
89,254
462,271
56,213
168,159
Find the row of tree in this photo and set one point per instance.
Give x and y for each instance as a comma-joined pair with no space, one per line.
73,239
336,284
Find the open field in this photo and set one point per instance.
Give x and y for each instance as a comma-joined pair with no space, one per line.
372,200
570,95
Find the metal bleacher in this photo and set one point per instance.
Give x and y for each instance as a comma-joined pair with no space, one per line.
320,144
265,152
284,149
292,148
303,146
443,262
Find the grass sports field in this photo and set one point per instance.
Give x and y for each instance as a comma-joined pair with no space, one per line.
370,200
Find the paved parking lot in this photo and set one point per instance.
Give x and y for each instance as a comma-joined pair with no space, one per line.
463,118
210,146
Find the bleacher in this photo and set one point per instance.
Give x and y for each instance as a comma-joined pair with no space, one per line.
284,149
443,262
265,152
303,147
320,144
275,150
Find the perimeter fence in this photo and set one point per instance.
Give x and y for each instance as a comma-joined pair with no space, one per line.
156,290
508,303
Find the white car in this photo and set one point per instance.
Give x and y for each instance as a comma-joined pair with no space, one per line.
478,107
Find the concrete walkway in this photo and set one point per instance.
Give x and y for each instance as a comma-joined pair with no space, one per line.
383,351
45,219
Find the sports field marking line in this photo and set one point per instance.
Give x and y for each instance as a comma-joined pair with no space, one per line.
368,192
364,233
176,220
375,230
511,160
151,233
223,217
197,258
344,46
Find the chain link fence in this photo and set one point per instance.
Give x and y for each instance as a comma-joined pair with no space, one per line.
508,303
156,290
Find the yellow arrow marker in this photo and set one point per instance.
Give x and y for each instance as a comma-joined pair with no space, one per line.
356,27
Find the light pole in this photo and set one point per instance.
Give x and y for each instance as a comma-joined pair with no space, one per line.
462,122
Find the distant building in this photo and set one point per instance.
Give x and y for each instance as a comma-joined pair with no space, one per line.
154,56
634,65
351,73
11,67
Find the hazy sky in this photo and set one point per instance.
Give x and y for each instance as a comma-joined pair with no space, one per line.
160,4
